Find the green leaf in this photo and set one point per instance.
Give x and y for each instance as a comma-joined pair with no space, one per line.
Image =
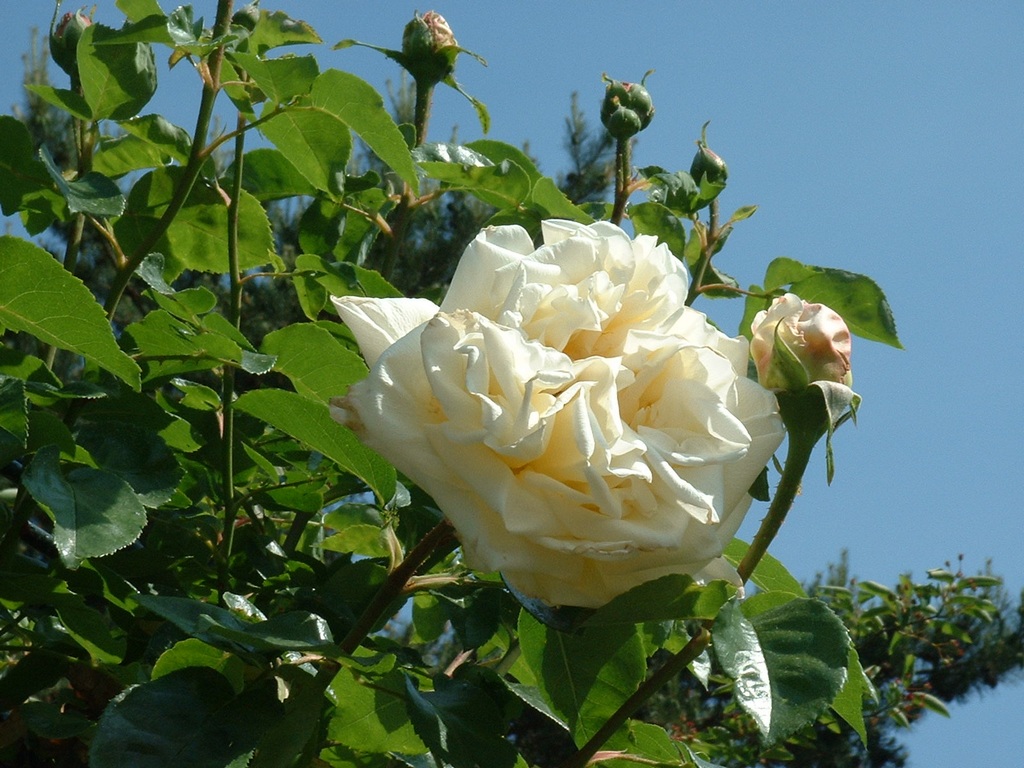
117,80
370,714
90,630
505,185
359,105
268,175
61,98
95,512
280,79
741,213
13,419
93,194
857,298
294,738
655,219
23,174
295,630
35,671
460,724
310,422
849,702
317,143
789,662
784,271
192,652
189,717
675,596
168,347
646,744
151,270
138,456
52,721
137,10
544,194
40,297
276,28
143,412
197,239
770,574
313,360
585,676
150,141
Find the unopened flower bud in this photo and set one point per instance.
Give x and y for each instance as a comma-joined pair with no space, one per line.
796,343
627,108
426,44
247,17
64,41
707,164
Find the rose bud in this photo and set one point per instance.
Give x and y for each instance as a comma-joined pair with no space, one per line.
795,343
64,41
627,108
425,44
707,164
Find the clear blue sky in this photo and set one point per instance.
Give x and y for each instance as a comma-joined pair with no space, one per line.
884,138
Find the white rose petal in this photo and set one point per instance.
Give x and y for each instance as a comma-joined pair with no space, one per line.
582,428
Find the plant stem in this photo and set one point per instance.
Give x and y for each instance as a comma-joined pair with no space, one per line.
648,688
623,172
196,159
707,252
400,220
440,534
802,439
234,316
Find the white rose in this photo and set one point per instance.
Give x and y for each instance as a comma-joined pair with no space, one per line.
583,429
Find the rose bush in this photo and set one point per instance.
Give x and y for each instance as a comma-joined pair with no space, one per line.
795,343
582,428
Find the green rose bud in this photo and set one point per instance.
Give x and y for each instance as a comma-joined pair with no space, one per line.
627,108
429,47
247,17
707,164
64,41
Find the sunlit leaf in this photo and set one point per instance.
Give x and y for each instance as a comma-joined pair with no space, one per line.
23,173
93,194
675,596
317,365
789,662
40,297
117,80
95,512
310,422
584,676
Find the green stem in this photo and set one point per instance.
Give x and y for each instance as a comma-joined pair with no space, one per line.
21,511
803,436
234,316
664,674
400,219
196,159
391,589
707,252
623,173
421,111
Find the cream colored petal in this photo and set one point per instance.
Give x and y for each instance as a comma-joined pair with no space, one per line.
379,323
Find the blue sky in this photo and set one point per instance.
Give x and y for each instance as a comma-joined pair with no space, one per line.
883,138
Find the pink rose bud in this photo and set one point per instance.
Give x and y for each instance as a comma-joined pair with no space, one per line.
795,343
64,40
429,48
